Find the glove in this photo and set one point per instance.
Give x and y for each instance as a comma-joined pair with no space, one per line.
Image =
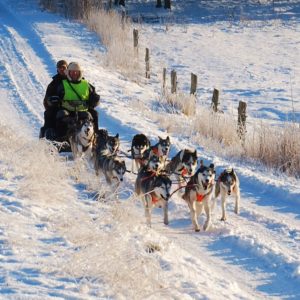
53,101
94,100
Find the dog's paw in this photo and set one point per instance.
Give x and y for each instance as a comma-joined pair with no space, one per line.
223,219
197,229
206,226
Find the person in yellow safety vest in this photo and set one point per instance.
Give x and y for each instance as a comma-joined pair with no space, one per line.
76,95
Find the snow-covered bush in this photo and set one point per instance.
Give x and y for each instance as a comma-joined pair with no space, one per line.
116,35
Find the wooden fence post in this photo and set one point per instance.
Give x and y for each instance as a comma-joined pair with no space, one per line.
158,3
168,4
173,82
147,60
135,38
242,120
215,100
164,78
193,84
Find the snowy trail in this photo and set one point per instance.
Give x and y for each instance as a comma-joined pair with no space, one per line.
251,256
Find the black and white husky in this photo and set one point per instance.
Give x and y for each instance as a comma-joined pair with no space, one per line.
184,163
82,139
161,149
154,190
139,145
228,184
112,167
198,194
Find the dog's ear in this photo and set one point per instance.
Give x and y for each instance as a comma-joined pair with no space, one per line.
181,153
195,153
117,136
212,166
168,138
159,138
201,163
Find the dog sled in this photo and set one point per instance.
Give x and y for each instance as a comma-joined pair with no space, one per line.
70,122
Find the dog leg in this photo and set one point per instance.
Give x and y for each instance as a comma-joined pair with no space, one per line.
194,216
223,199
207,212
237,202
166,208
148,203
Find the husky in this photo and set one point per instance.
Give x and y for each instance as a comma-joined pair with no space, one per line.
198,194
161,149
184,163
228,184
140,144
82,138
112,167
106,141
155,164
154,190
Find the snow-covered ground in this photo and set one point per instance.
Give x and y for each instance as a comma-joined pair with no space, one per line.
58,242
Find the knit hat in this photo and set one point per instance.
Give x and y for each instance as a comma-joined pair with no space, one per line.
61,63
74,66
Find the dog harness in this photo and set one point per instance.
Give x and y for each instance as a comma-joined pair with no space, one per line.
183,171
147,177
154,198
200,197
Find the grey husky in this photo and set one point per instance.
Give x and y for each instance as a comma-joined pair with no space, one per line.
198,194
106,141
112,167
154,190
184,163
228,184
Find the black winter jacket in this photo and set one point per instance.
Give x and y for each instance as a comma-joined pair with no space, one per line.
52,88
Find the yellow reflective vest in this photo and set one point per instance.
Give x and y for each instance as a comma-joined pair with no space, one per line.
70,100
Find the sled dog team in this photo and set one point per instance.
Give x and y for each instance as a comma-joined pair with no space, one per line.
199,187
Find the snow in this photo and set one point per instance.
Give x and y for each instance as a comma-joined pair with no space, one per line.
58,242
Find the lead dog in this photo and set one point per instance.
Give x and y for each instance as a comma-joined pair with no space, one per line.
198,194
228,184
184,163
82,139
154,191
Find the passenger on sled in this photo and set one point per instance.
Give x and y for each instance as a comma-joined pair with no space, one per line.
75,99
51,110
